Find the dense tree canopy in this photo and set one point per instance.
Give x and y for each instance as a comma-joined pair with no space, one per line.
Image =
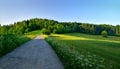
57,27
46,31
104,33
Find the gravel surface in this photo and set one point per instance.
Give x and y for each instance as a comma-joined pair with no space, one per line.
35,54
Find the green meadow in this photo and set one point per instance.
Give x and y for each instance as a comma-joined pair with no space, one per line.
33,34
83,51
75,50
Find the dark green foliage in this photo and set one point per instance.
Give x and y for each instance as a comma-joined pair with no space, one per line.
58,27
46,31
10,42
104,33
54,31
117,30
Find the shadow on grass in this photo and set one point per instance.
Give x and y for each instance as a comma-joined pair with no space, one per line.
99,37
108,50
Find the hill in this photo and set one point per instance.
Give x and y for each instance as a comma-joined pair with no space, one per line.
58,27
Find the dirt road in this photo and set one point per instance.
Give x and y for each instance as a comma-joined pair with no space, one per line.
35,54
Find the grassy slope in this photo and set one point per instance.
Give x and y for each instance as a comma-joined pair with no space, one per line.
108,48
10,42
33,34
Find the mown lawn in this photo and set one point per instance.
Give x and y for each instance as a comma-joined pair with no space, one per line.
97,52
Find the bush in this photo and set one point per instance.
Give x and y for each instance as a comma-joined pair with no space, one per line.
104,33
10,42
46,31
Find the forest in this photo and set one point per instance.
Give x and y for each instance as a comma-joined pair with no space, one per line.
58,27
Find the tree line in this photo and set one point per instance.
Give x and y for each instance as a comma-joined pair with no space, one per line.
58,27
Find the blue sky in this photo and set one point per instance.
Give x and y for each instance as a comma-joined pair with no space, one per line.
88,11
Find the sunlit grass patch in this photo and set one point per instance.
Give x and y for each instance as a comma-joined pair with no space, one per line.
33,34
99,38
97,52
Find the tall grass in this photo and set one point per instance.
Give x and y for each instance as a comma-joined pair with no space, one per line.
10,42
85,53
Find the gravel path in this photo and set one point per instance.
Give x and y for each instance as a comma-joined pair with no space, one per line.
35,54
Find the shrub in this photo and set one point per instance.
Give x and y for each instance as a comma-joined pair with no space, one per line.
104,33
10,42
46,31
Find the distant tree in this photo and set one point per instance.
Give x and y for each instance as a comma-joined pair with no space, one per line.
104,33
118,30
92,29
59,28
46,31
54,31
4,30
27,30
10,31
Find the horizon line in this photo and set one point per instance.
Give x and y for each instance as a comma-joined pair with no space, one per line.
96,23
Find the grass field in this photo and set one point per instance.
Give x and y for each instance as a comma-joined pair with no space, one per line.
83,51
33,34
